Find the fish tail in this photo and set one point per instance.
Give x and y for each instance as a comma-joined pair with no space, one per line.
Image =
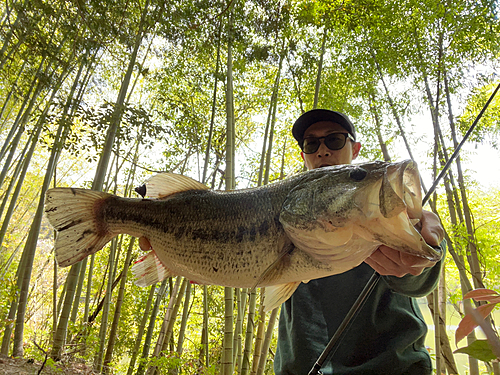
76,215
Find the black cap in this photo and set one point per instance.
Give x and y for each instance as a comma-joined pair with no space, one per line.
316,115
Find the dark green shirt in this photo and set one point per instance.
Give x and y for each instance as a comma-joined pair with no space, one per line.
387,337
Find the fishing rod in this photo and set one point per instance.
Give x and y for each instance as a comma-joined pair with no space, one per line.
374,279
457,150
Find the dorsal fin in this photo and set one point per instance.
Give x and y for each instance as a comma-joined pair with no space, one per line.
165,184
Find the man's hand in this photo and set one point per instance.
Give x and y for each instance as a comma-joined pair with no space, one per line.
387,261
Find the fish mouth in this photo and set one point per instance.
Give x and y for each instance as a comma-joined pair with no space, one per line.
405,182
403,179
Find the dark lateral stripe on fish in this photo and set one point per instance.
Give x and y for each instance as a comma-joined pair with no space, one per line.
116,210
240,235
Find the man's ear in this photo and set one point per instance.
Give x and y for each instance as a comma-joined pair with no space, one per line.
355,149
302,155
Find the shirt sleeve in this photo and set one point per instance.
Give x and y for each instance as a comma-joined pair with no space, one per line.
421,285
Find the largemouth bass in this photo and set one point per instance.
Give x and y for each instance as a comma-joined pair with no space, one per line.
315,224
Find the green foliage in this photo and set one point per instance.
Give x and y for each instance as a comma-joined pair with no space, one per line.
136,125
479,349
166,117
50,363
488,127
7,295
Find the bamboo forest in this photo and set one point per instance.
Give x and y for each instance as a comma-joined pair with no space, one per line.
105,94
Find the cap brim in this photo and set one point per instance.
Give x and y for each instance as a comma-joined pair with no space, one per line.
317,115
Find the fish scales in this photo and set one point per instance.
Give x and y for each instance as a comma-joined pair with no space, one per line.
312,225
200,215
232,234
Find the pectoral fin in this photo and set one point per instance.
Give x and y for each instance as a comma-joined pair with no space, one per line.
275,295
275,270
149,270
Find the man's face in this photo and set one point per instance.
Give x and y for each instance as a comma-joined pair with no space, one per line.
324,156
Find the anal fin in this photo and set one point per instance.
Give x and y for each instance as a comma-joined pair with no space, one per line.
275,295
149,270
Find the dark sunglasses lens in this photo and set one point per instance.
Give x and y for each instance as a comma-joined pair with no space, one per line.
335,141
311,145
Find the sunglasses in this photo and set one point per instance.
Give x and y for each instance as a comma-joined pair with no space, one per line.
334,141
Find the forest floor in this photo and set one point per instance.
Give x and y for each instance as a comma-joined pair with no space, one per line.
21,366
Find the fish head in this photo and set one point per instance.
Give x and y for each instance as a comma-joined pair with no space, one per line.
350,210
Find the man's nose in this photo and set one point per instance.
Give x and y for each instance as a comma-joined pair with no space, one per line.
323,151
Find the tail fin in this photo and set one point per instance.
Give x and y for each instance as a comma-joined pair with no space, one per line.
74,214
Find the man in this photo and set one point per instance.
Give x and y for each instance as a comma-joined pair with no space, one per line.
387,336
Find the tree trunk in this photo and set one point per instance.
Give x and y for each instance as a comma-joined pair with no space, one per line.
245,363
393,107
267,341
20,123
259,339
6,39
13,308
118,110
169,321
204,352
274,105
151,327
140,333
446,352
62,326
31,242
383,145
185,315
98,361
214,106
9,95
19,172
227,352
230,122
67,115
238,329
269,130
118,306
320,68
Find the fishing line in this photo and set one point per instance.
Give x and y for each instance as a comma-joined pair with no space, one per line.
457,150
372,282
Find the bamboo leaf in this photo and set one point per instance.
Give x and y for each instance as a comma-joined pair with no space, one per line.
479,349
482,294
467,324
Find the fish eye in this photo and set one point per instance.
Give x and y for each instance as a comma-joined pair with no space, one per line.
358,173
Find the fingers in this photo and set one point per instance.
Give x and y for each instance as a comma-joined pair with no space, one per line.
387,261
432,231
